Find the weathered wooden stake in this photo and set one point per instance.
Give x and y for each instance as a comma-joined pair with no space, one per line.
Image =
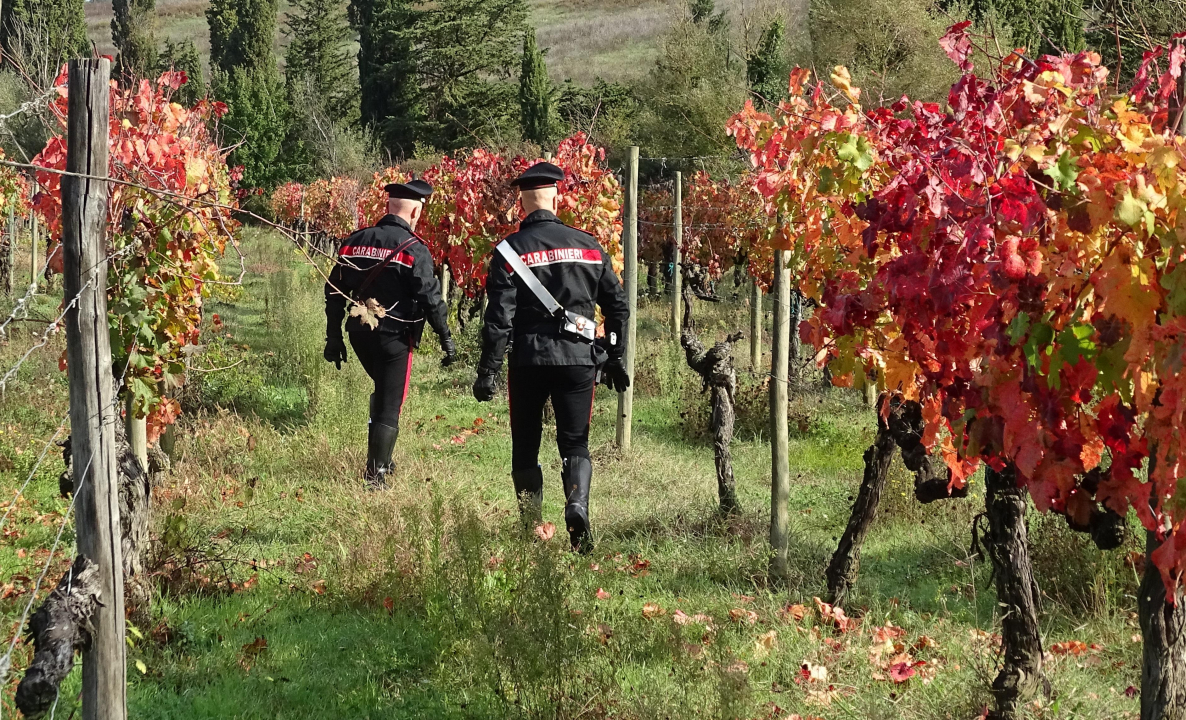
677,275
92,402
11,228
446,279
630,253
34,227
780,480
137,433
755,328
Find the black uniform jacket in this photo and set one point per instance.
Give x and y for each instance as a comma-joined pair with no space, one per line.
572,266
406,287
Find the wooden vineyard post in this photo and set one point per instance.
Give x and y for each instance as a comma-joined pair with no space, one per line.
446,278
92,401
755,327
630,253
677,276
780,473
33,233
11,229
137,433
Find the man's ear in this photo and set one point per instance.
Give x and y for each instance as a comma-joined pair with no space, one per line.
418,212
555,203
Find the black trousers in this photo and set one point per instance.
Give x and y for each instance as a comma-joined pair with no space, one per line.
571,388
387,359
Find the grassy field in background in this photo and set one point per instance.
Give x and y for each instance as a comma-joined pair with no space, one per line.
285,590
587,39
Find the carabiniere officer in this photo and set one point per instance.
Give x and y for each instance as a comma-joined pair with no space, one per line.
390,264
544,361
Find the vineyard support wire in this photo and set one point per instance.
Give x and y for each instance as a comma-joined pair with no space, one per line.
180,201
6,660
54,326
22,303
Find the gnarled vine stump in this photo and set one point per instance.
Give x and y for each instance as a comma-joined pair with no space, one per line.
1017,594
59,628
898,426
135,500
715,367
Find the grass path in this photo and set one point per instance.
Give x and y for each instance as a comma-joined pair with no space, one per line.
286,591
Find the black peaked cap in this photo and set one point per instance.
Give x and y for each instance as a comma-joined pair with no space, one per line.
412,190
539,175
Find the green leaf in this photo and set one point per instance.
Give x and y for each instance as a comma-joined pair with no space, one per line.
1130,211
856,151
1175,283
1064,172
141,667
1075,342
1039,340
1018,328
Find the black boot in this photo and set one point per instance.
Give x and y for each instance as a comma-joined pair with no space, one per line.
529,491
380,446
577,474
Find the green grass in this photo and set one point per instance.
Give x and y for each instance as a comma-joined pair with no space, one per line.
424,602
616,39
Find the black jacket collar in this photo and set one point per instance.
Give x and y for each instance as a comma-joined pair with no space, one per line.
540,216
396,220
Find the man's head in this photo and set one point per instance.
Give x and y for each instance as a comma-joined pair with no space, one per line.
409,210
406,200
537,187
544,198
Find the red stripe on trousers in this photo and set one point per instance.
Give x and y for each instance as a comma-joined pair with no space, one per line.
407,381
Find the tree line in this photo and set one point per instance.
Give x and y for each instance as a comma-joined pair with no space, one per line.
431,78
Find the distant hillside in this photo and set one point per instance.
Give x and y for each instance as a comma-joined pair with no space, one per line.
613,39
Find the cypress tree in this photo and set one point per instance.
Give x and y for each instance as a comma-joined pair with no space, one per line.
1041,26
535,93
245,77
242,34
131,32
184,56
766,68
388,78
43,32
317,67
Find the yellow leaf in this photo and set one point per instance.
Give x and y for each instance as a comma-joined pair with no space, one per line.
141,667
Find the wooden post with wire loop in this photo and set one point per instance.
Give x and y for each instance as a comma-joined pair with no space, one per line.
677,275
92,402
780,473
630,255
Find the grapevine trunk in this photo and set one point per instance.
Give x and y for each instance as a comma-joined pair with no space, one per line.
1017,593
841,572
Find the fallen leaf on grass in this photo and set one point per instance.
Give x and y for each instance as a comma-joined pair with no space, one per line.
602,594
388,605
545,531
793,612
318,586
740,615
1070,647
765,643
810,672
925,642
834,616
682,618
887,633
652,610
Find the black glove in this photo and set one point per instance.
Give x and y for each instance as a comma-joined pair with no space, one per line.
450,350
335,351
614,375
484,387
